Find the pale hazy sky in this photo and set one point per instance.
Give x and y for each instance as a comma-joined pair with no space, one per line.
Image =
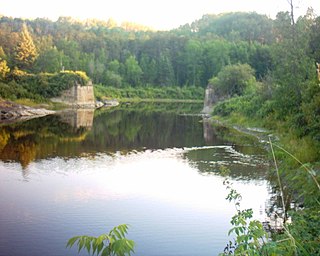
159,14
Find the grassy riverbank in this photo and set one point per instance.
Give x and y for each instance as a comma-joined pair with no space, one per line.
294,176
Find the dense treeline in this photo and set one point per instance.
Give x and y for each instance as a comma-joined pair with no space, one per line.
187,56
117,56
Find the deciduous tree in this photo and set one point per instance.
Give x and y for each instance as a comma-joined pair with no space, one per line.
25,52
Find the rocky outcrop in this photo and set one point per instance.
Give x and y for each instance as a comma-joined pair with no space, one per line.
10,112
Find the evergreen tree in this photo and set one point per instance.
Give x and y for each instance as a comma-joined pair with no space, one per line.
25,52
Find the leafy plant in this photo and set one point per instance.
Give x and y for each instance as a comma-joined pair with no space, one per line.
234,80
250,236
114,243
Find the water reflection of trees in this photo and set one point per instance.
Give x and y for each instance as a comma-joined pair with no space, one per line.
242,154
36,138
132,127
124,128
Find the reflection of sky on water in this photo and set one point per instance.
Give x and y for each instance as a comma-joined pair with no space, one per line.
156,171
171,206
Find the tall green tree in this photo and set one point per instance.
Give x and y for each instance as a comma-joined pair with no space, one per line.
215,56
292,65
193,58
25,52
149,68
133,71
165,72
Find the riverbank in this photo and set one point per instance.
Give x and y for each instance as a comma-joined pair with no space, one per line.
13,112
306,149
294,177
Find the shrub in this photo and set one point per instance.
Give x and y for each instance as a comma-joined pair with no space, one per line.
48,85
234,80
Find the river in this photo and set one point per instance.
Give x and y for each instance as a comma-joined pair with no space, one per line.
152,166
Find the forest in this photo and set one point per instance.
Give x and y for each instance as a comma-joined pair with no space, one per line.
264,70
121,56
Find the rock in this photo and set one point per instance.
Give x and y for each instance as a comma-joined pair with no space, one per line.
10,111
111,103
99,104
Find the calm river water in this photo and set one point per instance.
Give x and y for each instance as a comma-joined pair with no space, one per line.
152,166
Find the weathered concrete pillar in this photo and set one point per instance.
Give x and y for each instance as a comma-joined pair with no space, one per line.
209,100
78,96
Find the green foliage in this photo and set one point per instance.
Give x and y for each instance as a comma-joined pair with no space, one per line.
46,85
237,26
306,231
143,57
14,91
176,93
249,105
114,243
310,112
48,61
234,80
300,185
113,79
250,235
133,71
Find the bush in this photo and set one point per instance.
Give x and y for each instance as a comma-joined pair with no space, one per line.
15,91
47,85
234,80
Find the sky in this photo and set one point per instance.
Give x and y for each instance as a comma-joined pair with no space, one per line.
158,14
